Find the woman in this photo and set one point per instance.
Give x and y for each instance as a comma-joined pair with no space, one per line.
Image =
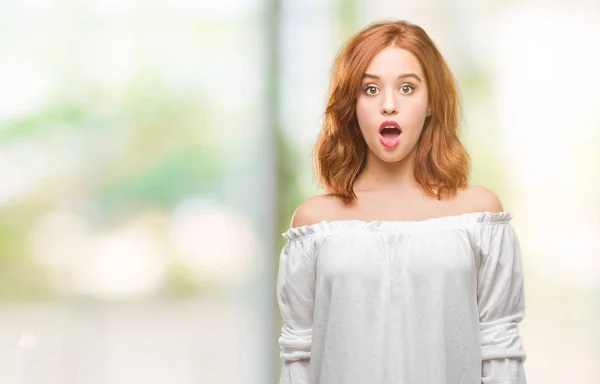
402,273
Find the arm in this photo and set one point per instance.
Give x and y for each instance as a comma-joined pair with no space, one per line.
295,295
501,305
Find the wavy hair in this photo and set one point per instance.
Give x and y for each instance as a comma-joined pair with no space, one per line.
442,165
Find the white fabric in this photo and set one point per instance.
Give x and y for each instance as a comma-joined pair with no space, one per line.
402,302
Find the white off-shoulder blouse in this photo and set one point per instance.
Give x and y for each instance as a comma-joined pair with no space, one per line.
402,302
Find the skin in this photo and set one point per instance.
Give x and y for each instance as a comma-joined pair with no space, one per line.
387,188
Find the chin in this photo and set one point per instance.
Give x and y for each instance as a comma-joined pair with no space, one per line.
391,157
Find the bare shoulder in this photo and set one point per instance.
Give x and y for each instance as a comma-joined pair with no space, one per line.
482,199
315,209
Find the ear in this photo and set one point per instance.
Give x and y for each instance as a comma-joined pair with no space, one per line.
429,112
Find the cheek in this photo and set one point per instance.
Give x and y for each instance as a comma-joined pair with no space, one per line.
363,112
418,113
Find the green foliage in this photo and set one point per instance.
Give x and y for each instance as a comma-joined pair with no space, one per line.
194,170
21,277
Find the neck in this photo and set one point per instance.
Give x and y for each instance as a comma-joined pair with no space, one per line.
379,174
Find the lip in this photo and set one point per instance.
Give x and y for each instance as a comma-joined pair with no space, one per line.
389,123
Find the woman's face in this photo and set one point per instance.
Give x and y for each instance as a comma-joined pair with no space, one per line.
393,94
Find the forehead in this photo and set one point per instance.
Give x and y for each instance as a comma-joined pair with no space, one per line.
394,61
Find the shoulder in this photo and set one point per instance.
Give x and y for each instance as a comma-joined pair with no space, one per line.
315,209
482,199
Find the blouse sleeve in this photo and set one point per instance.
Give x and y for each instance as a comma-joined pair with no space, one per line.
295,296
501,305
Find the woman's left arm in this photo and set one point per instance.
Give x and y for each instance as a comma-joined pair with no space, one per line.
501,305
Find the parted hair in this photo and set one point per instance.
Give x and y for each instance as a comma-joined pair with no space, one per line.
442,165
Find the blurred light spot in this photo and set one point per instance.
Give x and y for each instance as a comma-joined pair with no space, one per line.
126,262
215,240
25,87
122,49
27,340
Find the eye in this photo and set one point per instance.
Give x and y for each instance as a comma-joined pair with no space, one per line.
371,90
407,89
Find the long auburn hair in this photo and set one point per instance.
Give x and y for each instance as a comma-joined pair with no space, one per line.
442,165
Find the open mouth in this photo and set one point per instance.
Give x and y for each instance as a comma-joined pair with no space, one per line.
390,133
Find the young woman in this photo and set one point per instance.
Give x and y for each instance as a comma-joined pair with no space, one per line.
402,273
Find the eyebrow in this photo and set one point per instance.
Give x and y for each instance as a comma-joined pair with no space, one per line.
413,75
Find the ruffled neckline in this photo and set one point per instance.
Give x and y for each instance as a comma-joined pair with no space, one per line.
391,226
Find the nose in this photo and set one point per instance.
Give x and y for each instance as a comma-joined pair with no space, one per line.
388,106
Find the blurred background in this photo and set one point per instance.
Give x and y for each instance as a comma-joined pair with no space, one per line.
152,153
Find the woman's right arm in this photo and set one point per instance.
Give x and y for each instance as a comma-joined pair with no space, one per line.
295,296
